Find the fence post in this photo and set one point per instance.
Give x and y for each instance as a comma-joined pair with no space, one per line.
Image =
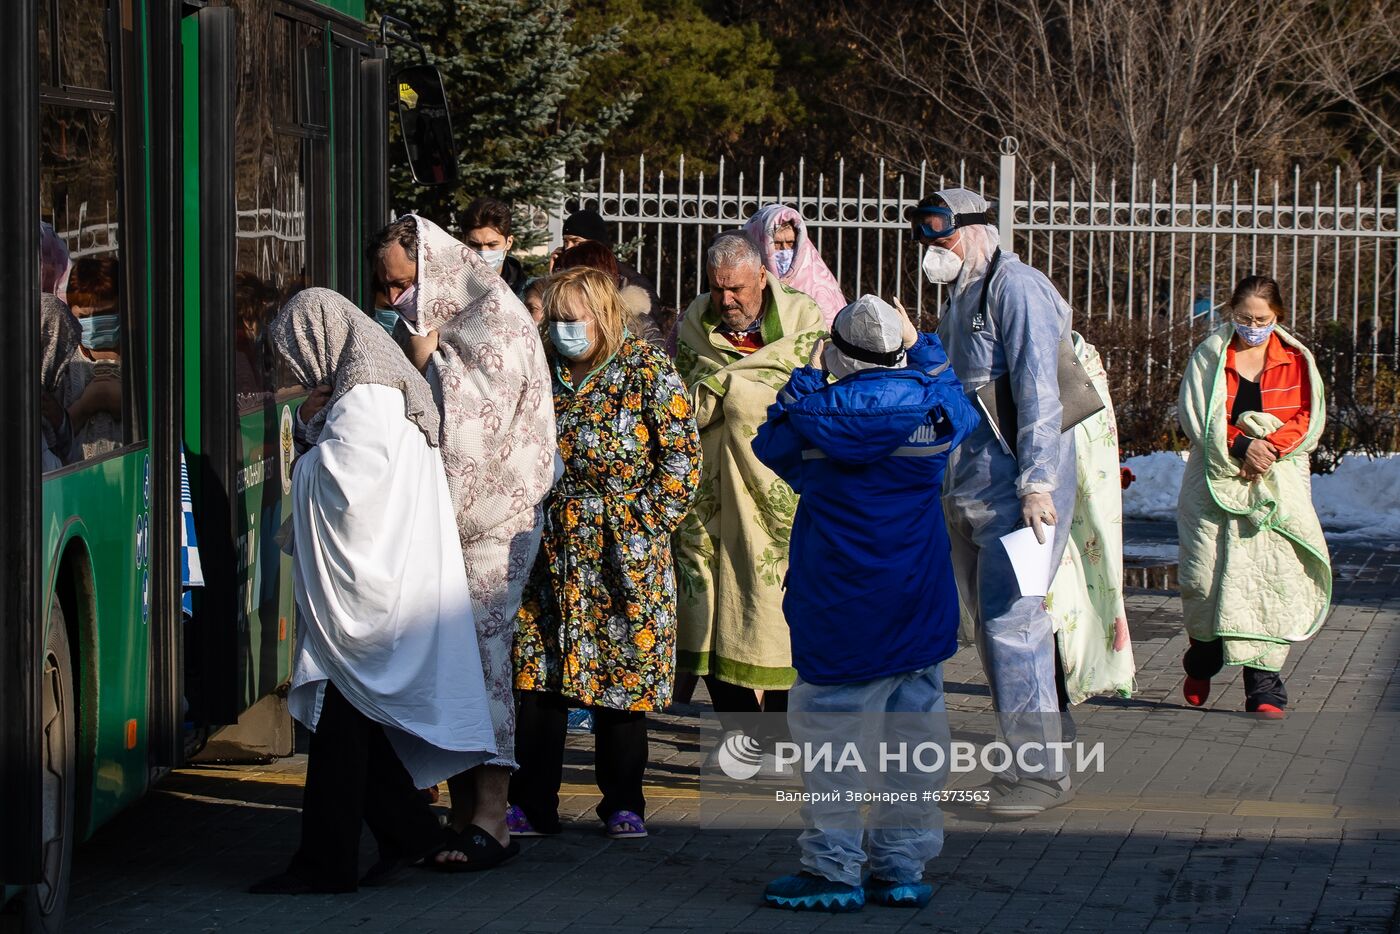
556,210
1006,192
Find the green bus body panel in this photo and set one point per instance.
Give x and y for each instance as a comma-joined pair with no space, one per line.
354,8
101,511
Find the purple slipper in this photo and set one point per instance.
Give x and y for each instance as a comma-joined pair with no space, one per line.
518,824
625,825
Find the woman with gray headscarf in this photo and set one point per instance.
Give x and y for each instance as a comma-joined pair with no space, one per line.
387,674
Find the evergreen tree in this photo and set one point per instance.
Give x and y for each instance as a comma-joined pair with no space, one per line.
701,84
509,67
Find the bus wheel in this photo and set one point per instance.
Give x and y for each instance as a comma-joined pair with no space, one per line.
46,902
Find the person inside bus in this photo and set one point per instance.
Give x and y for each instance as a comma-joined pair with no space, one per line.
254,302
54,262
386,675
474,340
59,336
486,228
95,375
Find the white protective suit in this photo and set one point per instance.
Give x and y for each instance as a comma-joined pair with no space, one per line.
1020,334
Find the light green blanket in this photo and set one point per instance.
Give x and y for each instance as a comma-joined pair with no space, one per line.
1085,601
731,552
1254,566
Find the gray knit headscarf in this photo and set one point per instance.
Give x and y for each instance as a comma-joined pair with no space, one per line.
325,340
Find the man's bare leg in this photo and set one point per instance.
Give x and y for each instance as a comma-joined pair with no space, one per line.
489,808
478,798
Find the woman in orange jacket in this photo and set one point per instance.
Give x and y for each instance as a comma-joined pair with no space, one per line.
1264,371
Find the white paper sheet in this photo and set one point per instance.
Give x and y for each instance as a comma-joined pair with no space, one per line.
1030,559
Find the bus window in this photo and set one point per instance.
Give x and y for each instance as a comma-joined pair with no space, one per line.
79,194
83,54
280,132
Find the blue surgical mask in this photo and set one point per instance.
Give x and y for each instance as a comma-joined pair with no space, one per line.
387,318
570,338
783,260
1254,336
493,258
407,302
101,332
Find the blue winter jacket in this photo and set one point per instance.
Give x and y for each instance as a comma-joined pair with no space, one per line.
869,590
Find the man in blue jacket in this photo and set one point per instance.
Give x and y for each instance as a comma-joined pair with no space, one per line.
870,599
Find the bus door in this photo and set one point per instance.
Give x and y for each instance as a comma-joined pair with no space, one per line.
21,619
282,207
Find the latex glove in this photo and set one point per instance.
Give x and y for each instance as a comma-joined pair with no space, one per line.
911,333
816,359
1258,458
1038,511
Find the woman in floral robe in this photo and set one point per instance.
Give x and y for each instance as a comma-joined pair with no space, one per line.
598,624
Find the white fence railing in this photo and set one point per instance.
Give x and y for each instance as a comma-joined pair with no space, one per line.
1156,254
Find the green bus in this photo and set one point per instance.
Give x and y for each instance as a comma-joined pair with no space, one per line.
175,169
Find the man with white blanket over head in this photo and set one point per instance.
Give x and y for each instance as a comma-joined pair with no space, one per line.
386,675
483,358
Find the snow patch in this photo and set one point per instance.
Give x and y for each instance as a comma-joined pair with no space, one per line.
1153,494
1359,501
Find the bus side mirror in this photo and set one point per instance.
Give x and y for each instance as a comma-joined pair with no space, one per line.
426,124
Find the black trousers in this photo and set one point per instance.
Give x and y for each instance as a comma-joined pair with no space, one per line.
620,758
737,707
1061,689
353,775
1205,659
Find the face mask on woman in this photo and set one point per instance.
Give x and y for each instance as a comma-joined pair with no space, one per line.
941,266
407,302
100,332
387,318
494,258
570,338
783,260
1254,336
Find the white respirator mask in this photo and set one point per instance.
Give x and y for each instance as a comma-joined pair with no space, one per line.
940,265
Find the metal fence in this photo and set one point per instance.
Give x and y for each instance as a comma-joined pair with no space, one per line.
1143,262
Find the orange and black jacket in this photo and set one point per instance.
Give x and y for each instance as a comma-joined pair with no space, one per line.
1285,390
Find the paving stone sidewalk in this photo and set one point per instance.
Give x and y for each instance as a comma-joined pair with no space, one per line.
1203,821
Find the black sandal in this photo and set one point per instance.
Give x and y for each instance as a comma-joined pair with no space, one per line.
482,850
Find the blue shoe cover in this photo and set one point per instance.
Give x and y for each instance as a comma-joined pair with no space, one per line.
806,892
898,894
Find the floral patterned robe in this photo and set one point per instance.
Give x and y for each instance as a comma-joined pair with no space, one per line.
598,623
491,381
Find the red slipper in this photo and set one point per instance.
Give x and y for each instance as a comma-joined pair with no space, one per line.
1195,690
1269,712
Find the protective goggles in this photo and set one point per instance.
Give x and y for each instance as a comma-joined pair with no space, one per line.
938,223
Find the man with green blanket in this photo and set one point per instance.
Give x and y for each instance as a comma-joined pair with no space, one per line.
738,345
1255,576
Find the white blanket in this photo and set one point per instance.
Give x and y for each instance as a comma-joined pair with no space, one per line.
385,611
